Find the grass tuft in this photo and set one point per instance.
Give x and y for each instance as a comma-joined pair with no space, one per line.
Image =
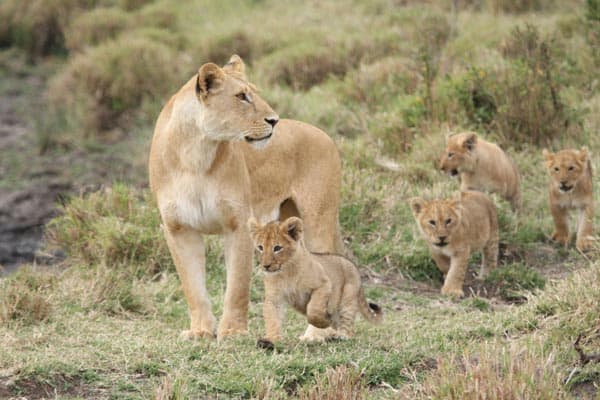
24,296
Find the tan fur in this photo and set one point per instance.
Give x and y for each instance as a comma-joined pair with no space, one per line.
324,287
213,164
465,224
482,166
571,189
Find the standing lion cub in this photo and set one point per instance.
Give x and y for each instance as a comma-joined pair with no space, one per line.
454,228
324,287
571,189
482,166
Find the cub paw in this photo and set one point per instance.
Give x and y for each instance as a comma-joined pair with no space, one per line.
584,244
320,321
453,292
560,238
196,335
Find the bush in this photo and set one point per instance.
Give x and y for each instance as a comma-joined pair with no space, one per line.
117,227
104,86
24,297
94,27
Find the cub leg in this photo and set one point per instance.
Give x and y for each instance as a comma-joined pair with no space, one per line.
561,224
347,312
442,261
490,256
317,311
273,313
238,261
585,228
456,275
187,249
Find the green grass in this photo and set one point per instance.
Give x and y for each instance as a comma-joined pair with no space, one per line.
383,80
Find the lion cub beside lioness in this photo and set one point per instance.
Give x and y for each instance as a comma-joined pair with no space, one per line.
482,165
324,287
571,189
454,228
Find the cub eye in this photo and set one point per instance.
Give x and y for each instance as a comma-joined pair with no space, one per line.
277,249
431,222
243,97
448,221
450,155
556,169
571,168
260,248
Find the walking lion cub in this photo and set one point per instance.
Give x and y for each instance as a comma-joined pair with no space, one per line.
571,189
482,165
454,228
324,287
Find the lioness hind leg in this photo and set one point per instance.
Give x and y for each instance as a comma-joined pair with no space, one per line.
187,249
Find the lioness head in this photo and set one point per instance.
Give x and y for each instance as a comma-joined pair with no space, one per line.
566,167
457,156
437,219
231,106
275,242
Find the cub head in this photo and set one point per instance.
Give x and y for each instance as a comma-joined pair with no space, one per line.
231,106
275,242
566,167
458,155
437,219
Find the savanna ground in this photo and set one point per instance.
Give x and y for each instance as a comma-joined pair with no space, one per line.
82,82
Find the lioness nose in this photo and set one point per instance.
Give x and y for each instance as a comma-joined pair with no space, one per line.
272,120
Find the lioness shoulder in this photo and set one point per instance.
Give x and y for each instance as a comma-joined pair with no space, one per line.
482,165
454,228
324,287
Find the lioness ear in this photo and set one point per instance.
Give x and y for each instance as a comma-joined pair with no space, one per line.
293,227
236,65
583,154
416,205
252,225
209,79
470,141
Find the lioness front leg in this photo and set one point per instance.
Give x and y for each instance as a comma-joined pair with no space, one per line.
561,224
238,262
187,249
585,229
456,275
317,312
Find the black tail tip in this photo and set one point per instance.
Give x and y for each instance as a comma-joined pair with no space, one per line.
375,308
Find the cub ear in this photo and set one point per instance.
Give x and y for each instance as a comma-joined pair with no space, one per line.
210,77
416,205
548,157
293,227
583,154
236,65
470,141
252,225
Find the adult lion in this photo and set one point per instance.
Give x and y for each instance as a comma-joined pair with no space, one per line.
220,155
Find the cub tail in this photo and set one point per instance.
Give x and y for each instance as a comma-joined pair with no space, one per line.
370,311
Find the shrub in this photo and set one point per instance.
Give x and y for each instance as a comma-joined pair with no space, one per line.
117,227
94,27
24,296
520,6
103,87
592,27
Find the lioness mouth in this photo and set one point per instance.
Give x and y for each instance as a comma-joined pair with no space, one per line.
251,139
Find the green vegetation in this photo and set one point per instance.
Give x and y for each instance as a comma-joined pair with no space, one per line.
385,81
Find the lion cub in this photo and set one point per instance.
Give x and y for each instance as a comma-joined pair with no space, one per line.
324,287
571,189
454,228
482,166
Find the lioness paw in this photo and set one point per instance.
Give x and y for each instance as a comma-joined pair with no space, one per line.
196,335
584,244
453,292
560,238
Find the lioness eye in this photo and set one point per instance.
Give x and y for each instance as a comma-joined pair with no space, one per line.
277,249
260,248
450,155
243,97
431,222
448,221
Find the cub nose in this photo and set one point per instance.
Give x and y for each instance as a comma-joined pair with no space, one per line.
267,267
442,238
272,120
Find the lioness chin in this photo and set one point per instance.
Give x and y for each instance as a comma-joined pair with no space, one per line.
219,155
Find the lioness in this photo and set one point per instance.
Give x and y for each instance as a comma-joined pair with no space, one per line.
324,287
482,166
571,189
454,228
219,155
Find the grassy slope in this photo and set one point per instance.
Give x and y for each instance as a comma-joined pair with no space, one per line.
108,337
